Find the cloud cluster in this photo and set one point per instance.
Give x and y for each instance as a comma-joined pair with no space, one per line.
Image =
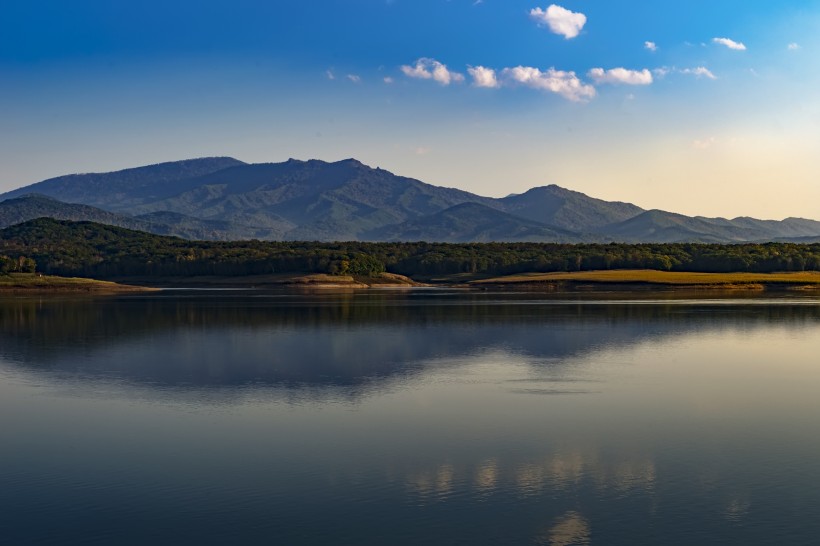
430,69
483,77
621,76
731,44
566,84
560,20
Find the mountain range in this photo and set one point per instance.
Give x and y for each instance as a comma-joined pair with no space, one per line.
221,198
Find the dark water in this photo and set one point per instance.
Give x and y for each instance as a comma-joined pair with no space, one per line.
419,417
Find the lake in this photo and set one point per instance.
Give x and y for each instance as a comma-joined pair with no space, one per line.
410,417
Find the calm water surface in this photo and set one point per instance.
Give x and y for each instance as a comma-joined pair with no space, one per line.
420,417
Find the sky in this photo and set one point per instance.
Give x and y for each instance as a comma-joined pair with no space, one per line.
697,106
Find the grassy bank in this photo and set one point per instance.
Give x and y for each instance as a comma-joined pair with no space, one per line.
36,283
649,277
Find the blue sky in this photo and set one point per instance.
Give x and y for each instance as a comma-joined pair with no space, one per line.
718,115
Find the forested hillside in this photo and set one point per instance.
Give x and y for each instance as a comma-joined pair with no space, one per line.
100,251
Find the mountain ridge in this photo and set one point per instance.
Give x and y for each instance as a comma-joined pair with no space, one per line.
222,198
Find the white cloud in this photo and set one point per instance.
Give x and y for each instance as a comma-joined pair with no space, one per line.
431,69
563,83
483,77
698,72
651,46
354,78
330,75
621,75
388,80
794,46
560,20
662,71
731,44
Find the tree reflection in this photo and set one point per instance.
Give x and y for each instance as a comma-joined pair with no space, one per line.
345,342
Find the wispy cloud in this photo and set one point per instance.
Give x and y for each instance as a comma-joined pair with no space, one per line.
388,80
794,46
651,46
704,143
560,20
698,72
621,76
731,44
566,84
355,78
330,75
483,77
430,69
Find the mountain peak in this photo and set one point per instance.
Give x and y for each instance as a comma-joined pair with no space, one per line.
351,162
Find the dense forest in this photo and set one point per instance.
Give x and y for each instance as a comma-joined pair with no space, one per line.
101,251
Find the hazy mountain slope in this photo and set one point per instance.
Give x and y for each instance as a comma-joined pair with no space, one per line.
28,207
568,209
790,227
120,190
473,222
801,240
32,206
657,226
189,227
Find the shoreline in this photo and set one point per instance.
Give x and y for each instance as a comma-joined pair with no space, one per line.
641,280
627,281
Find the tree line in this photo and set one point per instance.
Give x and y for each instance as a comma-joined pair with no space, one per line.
17,264
101,251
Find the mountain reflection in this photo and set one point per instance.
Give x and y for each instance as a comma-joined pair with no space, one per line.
347,343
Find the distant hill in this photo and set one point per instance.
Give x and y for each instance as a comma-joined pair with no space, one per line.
473,222
221,198
657,226
568,209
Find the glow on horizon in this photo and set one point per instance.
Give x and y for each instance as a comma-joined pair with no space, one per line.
692,108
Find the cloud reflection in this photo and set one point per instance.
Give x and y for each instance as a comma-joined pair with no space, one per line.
569,530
